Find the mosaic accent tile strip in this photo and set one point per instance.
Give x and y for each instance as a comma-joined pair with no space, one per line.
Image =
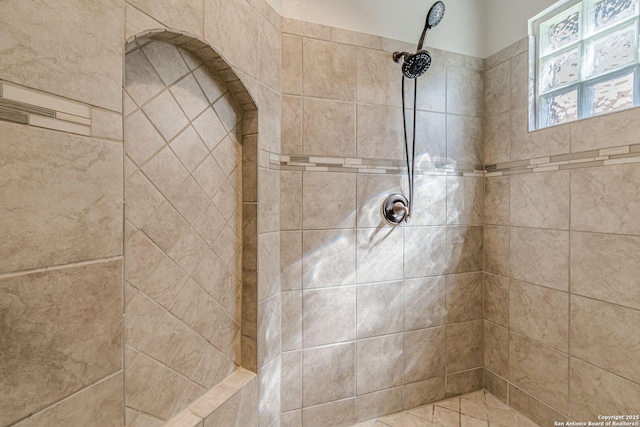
370,166
586,159
19,104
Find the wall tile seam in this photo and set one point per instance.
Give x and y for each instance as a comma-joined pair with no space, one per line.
70,396
61,266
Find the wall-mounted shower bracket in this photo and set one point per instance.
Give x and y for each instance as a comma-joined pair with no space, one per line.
395,209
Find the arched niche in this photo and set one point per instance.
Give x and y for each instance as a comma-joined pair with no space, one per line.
190,222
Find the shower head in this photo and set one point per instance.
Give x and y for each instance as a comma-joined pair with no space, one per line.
434,17
417,63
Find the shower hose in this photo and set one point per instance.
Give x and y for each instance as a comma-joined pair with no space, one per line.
410,163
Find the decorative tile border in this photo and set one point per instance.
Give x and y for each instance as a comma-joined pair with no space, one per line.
369,166
585,159
19,104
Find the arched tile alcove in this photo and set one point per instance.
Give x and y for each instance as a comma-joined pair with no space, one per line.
190,223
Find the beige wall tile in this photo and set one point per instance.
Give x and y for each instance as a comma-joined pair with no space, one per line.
497,136
532,407
464,249
355,38
291,260
378,78
379,309
291,328
606,199
496,250
328,374
424,303
431,90
465,200
70,338
496,200
189,19
424,251
189,95
291,385
378,255
62,62
539,313
106,124
235,37
539,370
540,256
291,64
496,349
291,125
328,70
423,392
328,316
270,54
328,189
539,143
379,132
497,89
72,213
142,140
167,61
496,299
464,297
610,130
540,200
269,200
269,332
424,354
379,404
596,392
495,385
329,258
371,191
268,265
99,404
507,53
379,363
464,91
520,81
429,201
603,334
269,393
318,139
431,140
142,82
307,29
464,382
334,414
605,267
291,419
464,346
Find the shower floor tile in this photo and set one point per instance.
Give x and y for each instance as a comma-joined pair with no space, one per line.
477,409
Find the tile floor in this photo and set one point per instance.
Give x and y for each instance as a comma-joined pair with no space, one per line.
477,409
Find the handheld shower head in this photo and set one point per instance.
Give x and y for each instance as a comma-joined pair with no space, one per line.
417,63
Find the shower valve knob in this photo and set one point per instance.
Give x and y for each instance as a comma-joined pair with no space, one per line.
395,209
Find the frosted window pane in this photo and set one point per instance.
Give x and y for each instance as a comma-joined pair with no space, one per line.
561,108
610,95
603,13
561,30
611,52
559,70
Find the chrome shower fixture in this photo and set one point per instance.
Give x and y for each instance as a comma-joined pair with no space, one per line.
417,63
397,208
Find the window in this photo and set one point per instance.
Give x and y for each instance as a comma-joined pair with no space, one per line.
586,60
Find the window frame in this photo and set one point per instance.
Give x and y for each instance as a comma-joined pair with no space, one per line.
536,118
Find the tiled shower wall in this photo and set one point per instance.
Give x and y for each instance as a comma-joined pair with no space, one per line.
376,319
61,289
183,229
561,238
